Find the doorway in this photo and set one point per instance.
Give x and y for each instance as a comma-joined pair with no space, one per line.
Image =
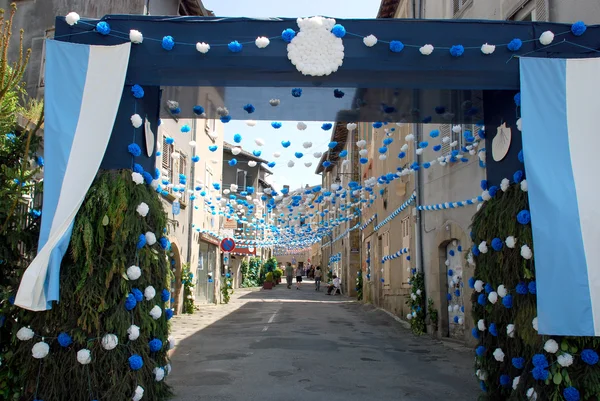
205,273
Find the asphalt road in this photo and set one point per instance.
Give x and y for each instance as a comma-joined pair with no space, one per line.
296,345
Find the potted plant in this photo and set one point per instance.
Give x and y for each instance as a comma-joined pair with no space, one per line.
268,283
277,273
432,324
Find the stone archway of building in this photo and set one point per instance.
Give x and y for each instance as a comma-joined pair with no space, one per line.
177,269
452,237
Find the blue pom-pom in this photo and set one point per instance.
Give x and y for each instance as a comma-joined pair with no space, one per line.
298,155
539,360
539,373
235,46
155,345
185,129
449,297
130,302
156,174
276,125
505,380
480,351
518,176
225,119
137,168
237,138
488,288
482,299
232,162
136,362
521,288
168,42
396,46
589,356
518,99
168,313
423,144
475,333
507,301
437,148
435,133
296,92
363,160
285,144
455,319
452,253
571,393
257,153
141,241
103,28
326,163
343,153
137,91
450,272
518,362
472,282
515,44
134,149
164,243
339,31
271,164
198,110
493,190
578,28
532,287
64,340
457,50
137,294
212,148
484,184
524,217
383,149
288,34
39,160
377,124
338,93
520,156
332,144
169,140
497,244
401,155
426,165
327,127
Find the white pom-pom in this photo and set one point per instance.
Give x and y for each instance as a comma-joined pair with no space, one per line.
168,368
408,316
259,141
307,145
134,272
486,195
493,297
481,325
534,323
25,334
409,138
290,163
515,383
510,330
301,126
511,242
276,154
236,150
143,209
159,373
175,155
172,343
546,38
426,50
502,292
262,42
351,126
483,247
308,164
136,121
361,144
251,163
136,36
134,332
520,124
110,341
524,186
531,394
318,155
481,374
382,157
72,18
526,252
156,312
202,47
565,360
192,144
488,49
504,184
84,356
419,151
370,40
363,152
138,394
40,350
137,178
551,346
499,355
250,123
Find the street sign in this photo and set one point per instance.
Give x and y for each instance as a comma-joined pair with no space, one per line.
226,258
227,245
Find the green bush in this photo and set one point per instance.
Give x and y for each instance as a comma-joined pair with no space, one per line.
187,280
277,273
250,273
416,302
269,277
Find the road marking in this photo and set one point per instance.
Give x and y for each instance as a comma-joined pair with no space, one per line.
271,319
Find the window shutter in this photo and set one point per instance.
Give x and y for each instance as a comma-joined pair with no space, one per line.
541,10
446,130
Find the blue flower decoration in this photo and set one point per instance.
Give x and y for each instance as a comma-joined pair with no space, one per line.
103,28
524,217
235,46
137,294
426,165
401,155
517,99
298,155
505,380
472,282
455,319
497,244
64,340
168,42
449,297
326,163
521,288
225,119
507,301
232,162
518,362
482,299
237,138
198,110
339,31
480,351
35,213
518,176
363,160
457,50
276,125
571,393
539,373
475,333
383,150
520,156
130,302
164,243
493,330
155,345
338,94
578,28
457,293
539,360
332,144
488,288
141,241
396,46
212,148
288,34
532,287
185,129
137,91
39,160
271,165
452,253
450,272
326,126
343,153
249,108
285,144
475,250
168,313
437,148
156,174
377,124
196,159
134,149
257,153
136,362
169,140
297,92
493,190
515,44
589,356
423,144
435,133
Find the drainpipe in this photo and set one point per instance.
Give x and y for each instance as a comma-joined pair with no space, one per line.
190,205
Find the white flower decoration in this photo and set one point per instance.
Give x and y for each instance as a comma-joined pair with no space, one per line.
382,157
262,42
301,126
159,373
236,150
546,38
307,145
499,355
308,164
84,356
534,323
317,155
110,341
426,50
504,184
25,334
520,124
510,330
251,163
150,238
502,292
418,292
531,394
136,36
419,151
276,154
481,374
202,47
72,18
361,144
408,316
291,163
315,51
486,195
370,40
493,297
511,242
134,332
143,209
524,186
488,49
481,325
409,138
483,247
551,346
565,360
351,126
413,296
250,123
259,141
134,272
136,121
526,252
516,381
156,312
363,152
137,178
172,343
168,368
138,394
40,350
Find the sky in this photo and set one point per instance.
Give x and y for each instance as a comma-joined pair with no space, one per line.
299,175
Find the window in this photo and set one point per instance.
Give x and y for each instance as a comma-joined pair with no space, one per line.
526,12
459,5
241,180
167,160
405,232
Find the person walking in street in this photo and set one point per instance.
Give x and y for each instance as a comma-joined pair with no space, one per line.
335,286
289,274
298,277
318,274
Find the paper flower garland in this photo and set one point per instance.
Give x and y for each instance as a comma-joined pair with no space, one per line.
110,342
168,43
370,40
235,46
103,28
134,332
72,18
143,209
546,38
261,42
426,50
84,356
40,350
202,47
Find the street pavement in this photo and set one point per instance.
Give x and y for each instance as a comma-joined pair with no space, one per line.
297,345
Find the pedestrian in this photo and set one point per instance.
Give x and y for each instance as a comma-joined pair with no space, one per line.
289,274
298,277
335,286
318,274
